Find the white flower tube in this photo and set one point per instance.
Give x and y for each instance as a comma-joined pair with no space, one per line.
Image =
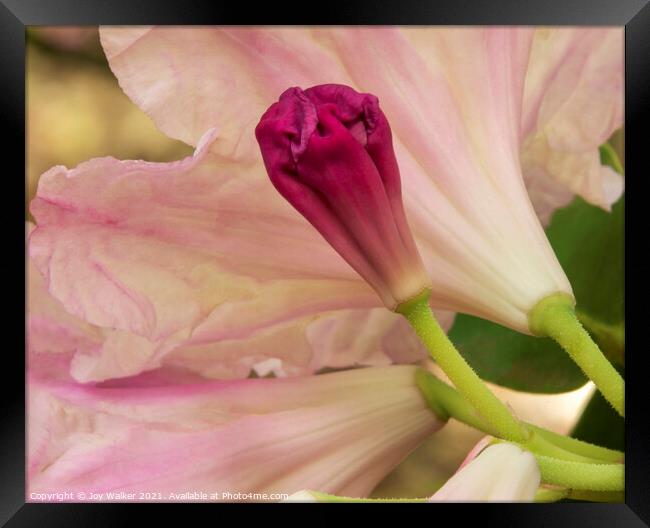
500,473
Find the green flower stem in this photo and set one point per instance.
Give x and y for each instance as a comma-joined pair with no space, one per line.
418,314
610,337
551,494
556,494
555,317
541,446
580,447
325,497
597,496
543,495
580,475
446,402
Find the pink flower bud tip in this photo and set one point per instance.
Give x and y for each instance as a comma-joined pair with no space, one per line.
328,150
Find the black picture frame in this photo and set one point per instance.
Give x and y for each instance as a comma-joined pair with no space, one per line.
15,15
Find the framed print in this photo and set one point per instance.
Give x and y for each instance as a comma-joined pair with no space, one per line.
375,256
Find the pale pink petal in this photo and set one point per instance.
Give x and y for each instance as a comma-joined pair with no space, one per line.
574,85
338,339
222,217
372,330
339,433
459,153
63,346
476,450
573,103
190,80
554,176
545,193
53,335
500,473
196,264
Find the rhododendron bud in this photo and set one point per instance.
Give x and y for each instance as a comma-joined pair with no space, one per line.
501,472
328,150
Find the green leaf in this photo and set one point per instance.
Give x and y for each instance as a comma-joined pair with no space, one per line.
600,292
588,242
514,360
608,156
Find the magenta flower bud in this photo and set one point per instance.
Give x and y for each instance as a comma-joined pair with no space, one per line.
329,151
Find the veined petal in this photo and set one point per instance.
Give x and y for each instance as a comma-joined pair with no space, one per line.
63,346
573,102
339,433
334,339
459,153
500,473
53,335
195,264
574,85
191,80
156,250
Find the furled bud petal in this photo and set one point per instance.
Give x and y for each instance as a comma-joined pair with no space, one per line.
502,472
328,150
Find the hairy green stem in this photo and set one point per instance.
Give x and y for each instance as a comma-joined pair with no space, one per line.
446,402
580,475
610,337
555,494
419,316
325,497
597,496
555,317
551,494
585,449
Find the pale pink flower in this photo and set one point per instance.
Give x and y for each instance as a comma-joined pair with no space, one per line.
340,433
573,102
499,473
207,263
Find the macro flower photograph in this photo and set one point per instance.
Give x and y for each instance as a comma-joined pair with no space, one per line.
325,264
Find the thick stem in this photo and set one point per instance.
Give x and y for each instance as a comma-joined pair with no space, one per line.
418,314
326,497
556,494
555,317
580,475
551,494
580,447
541,446
597,496
446,402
